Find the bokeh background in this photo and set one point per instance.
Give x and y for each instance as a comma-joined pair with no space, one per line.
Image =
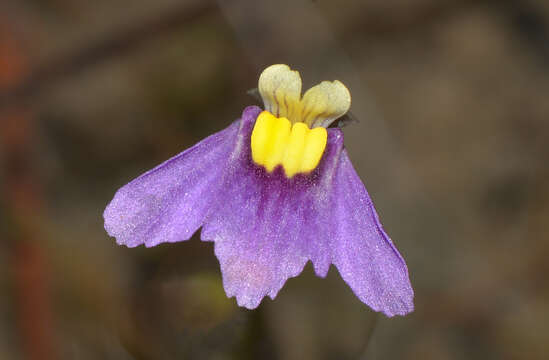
452,98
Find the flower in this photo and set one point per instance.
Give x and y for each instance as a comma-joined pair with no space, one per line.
273,190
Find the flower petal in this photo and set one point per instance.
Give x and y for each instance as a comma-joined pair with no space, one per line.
256,240
169,202
363,253
280,89
325,102
266,227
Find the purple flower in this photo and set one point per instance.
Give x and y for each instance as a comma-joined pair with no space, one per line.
273,190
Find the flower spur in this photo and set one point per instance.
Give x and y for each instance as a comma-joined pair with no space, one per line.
273,190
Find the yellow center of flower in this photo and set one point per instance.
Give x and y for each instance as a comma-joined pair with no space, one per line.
292,130
275,141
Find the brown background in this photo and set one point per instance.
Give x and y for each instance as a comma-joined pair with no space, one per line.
453,102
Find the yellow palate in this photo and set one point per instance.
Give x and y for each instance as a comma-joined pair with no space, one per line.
276,142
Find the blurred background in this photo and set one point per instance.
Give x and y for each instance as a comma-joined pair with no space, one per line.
453,102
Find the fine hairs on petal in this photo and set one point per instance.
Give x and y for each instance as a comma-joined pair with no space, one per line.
266,227
169,203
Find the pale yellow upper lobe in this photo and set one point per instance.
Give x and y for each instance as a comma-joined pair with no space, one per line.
280,89
292,130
